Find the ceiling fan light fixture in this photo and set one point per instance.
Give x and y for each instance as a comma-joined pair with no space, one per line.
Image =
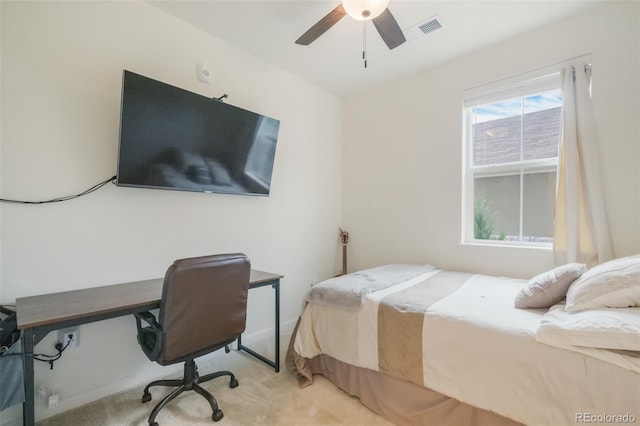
364,10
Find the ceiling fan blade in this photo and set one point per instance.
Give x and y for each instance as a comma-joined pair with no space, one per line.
389,29
322,26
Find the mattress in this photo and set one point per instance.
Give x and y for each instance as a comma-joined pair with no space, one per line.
459,335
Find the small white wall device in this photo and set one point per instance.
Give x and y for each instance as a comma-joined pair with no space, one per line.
203,72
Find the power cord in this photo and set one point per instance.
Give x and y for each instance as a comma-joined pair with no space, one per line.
65,198
40,357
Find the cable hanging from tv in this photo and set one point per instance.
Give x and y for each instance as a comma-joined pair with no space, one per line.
65,198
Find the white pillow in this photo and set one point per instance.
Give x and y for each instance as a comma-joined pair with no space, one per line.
550,287
612,284
596,328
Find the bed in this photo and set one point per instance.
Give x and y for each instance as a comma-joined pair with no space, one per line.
421,345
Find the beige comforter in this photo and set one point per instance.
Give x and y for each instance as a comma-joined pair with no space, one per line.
387,328
459,335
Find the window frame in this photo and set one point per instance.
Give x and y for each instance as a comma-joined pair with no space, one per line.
530,84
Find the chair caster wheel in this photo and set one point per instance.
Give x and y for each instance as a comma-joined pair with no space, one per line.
226,349
154,424
146,398
233,383
217,415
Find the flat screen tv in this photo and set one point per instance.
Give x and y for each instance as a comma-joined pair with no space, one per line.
171,138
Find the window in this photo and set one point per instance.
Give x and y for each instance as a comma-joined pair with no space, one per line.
512,140
263,150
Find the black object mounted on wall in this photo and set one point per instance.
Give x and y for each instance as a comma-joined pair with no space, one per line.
171,138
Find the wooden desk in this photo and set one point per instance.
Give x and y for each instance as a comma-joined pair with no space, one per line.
39,315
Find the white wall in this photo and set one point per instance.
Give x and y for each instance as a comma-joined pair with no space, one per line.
61,81
402,188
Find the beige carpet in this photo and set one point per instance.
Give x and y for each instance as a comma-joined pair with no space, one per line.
262,398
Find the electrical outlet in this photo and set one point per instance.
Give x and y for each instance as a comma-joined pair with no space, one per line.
53,400
69,334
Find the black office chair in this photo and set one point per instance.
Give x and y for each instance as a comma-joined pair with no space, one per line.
203,309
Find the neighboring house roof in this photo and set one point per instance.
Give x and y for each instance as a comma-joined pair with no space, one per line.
498,141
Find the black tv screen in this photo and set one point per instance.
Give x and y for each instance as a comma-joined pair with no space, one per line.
171,138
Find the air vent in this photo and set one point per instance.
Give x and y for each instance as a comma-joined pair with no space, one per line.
425,27
430,26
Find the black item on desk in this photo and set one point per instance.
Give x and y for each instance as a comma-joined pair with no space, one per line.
9,333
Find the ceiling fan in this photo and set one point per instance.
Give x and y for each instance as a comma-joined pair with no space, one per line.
362,10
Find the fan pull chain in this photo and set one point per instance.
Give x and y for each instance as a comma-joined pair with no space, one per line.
364,43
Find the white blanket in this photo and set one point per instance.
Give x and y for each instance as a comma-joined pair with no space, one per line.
482,351
609,334
349,291
479,349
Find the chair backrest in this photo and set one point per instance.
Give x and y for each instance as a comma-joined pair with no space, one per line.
204,305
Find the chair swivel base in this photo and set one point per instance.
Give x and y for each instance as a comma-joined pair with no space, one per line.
189,382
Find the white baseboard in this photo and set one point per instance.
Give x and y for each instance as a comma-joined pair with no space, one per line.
143,377
286,329
107,389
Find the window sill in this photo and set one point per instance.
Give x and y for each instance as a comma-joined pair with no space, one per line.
515,245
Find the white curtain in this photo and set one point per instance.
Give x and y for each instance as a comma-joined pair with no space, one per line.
581,229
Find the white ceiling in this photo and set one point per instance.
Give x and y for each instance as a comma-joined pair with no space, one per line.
268,29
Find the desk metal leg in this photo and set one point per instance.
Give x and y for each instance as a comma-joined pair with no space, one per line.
275,364
276,287
28,407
